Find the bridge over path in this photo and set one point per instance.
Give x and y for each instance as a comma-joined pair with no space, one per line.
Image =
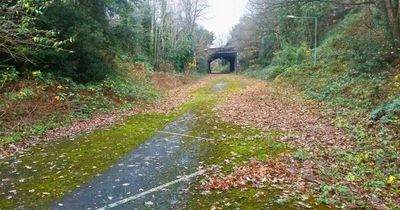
228,54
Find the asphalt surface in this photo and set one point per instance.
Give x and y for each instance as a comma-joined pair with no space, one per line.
162,159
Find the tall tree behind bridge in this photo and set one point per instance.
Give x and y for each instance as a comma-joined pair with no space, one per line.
175,32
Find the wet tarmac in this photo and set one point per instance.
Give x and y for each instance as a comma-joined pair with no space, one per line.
160,160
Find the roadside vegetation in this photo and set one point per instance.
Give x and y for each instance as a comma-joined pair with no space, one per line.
33,105
356,75
66,61
43,174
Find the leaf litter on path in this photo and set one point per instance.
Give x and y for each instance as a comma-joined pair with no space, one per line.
314,168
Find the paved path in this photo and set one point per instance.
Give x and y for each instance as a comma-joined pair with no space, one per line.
162,159
151,177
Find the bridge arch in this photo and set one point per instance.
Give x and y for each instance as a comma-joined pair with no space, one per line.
228,54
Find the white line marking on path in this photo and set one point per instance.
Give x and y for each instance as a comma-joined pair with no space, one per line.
184,135
126,200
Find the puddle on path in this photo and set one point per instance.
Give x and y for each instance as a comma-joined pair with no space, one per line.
220,86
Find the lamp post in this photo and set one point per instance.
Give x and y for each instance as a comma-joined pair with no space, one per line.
316,33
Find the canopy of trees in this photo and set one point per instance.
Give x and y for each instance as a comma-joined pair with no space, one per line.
267,29
82,39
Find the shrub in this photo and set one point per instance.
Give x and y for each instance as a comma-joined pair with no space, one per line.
8,75
388,112
129,88
292,55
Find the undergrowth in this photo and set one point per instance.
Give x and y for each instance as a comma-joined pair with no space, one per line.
46,172
35,103
361,90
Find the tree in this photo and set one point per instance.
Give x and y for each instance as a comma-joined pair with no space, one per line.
83,39
20,38
203,39
392,10
193,10
176,34
245,37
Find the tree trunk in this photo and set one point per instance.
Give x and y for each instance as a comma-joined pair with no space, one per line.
393,17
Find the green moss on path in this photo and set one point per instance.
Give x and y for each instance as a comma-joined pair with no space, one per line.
48,171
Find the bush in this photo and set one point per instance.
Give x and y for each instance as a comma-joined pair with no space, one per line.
388,112
293,55
8,75
357,47
267,50
129,88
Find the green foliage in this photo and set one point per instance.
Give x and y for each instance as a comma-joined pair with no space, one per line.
202,65
296,31
91,34
267,73
267,50
117,91
356,78
21,95
361,49
87,59
182,54
388,112
82,39
325,197
220,66
291,55
352,65
130,89
20,37
300,154
8,75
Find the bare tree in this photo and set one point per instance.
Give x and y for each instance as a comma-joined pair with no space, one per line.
192,11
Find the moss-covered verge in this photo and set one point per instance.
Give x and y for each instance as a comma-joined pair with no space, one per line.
31,105
361,91
44,173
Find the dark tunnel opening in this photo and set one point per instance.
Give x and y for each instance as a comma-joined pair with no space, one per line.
225,56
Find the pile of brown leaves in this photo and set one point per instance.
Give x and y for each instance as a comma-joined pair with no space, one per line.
281,107
166,81
284,109
255,174
178,96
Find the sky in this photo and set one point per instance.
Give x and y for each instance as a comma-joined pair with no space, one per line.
222,15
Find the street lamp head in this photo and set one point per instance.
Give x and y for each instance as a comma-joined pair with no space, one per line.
291,16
